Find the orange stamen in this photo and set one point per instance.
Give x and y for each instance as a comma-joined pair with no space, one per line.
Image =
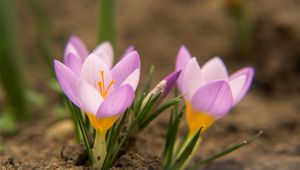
108,87
100,85
102,78
102,89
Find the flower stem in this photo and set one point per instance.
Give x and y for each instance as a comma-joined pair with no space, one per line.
99,150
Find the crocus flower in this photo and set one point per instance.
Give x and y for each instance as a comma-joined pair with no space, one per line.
76,52
209,92
90,83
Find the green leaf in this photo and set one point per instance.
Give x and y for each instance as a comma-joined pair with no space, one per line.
107,19
174,122
162,108
112,158
148,106
186,152
77,114
226,151
11,71
148,83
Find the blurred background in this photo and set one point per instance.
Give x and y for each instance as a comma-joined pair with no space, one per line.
263,34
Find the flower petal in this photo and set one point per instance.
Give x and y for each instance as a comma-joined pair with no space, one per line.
77,47
128,50
240,83
74,63
91,71
90,98
214,98
67,81
182,59
117,102
106,53
133,79
192,77
214,69
171,80
125,67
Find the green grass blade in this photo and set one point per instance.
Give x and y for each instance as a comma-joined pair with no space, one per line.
226,151
162,108
11,74
106,22
171,137
186,152
42,30
148,83
77,113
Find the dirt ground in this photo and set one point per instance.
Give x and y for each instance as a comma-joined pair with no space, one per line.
157,29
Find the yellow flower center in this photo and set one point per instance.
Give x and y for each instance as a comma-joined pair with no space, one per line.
196,119
103,124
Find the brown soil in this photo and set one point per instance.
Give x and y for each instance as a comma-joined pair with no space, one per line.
157,29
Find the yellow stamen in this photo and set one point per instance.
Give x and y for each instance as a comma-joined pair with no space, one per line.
196,120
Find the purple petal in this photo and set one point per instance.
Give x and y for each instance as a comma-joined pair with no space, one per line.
125,67
67,81
214,98
91,71
240,83
183,57
106,53
133,79
77,47
192,78
117,102
74,63
171,80
214,69
128,50
90,98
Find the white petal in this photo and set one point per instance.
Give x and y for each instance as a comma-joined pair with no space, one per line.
90,98
192,77
106,53
214,69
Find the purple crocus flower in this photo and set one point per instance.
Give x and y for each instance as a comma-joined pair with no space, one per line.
90,83
76,52
209,92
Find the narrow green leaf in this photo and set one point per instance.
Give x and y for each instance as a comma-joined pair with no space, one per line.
148,83
148,106
138,104
186,152
11,72
75,121
171,136
115,133
41,22
77,113
162,108
106,21
112,158
226,151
